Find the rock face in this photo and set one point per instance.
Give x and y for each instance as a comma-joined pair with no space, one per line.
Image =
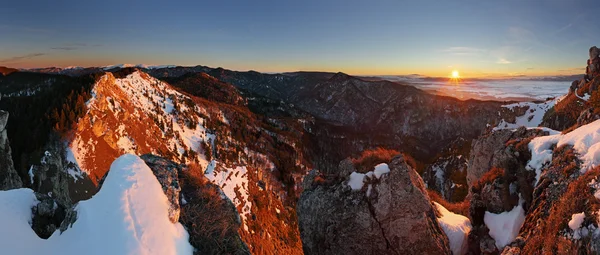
489,151
9,178
394,215
48,216
593,64
49,177
446,174
167,173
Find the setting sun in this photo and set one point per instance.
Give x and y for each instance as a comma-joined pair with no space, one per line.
455,74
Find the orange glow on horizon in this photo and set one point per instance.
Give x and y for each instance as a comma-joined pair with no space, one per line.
455,77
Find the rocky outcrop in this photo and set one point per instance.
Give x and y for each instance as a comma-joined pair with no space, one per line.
446,175
9,178
47,216
490,150
167,173
390,215
50,177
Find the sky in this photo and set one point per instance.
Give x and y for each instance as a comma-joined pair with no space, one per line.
477,38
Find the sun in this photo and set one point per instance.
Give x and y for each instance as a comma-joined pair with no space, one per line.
455,74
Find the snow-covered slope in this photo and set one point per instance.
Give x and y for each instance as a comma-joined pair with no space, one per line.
585,141
129,215
132,112
532,117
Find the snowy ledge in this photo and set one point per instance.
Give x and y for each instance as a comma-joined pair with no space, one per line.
129,215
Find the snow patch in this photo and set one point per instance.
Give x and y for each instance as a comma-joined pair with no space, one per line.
456,227
585,141
532,117
504,227
357,180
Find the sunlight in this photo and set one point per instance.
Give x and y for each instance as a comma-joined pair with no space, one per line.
455,77
455,74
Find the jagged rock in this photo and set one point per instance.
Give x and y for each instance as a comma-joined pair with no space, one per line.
446,174
167,173
3,119
9,178
587,116
47,216
593,63
574,86
395,218
489,151
51,178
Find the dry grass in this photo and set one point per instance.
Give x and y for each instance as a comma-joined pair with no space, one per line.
370,158
488,177
209,220
578,198
461,208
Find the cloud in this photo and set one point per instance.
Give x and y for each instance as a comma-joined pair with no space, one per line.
464,51
22,57
573,69
64,48
503,61
74,46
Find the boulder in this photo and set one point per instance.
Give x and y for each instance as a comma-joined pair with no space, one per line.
389,215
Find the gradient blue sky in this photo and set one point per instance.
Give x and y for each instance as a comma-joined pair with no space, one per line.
478,38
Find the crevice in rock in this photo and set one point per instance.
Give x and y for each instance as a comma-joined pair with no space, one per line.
387,241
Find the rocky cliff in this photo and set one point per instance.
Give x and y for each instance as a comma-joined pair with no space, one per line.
385,211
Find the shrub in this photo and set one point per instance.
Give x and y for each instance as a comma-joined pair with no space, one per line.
209,219
370,158
461,208
488,177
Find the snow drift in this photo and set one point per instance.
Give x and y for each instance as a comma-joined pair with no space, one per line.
129,215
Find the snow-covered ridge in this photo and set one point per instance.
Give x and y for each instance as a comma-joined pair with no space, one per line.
139,114
129,215
137,65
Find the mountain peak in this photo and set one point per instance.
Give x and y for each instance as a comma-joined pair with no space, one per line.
340,77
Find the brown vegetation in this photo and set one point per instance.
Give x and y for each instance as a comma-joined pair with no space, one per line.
488,177
208,218
461,208
370,158
578,198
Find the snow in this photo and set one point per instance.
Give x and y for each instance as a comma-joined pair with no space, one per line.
532,117
129,215
381,169
585,141
30,174
575,225
356,180
456,227
504,227
585,97
576,220
231,180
